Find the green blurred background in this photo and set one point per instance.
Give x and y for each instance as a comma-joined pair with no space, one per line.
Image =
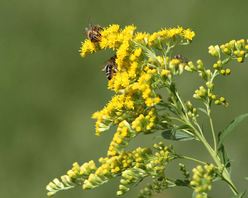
48,92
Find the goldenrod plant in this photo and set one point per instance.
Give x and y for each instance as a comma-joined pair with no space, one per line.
143,64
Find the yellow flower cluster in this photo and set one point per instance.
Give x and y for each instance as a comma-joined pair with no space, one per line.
233,49
202,179
145,122
139,73
121,138
112,112
132,165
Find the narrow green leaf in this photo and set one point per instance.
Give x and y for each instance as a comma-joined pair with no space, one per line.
246,178
230,128
180,182
203,110
167,105
177,135
240,195
184,126
224,158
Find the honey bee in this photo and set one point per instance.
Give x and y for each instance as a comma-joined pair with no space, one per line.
93,34
181,58
110,67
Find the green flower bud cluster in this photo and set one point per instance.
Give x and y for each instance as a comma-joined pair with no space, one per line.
192,112
183,169
203,73
151,190
202,179
136,108
190,67
176,66
76,176
235,50
146,122
145,165
214,51
201,94
133,166
220,101
121,138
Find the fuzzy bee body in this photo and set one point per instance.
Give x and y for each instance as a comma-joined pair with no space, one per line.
110,67
110,70
93,34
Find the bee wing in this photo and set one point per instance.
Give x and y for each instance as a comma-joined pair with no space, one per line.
90,21
85,31
104,69
104,64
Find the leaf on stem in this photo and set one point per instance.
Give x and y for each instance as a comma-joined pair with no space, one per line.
178,135
221,152
224,158
229,128
240,195
203,110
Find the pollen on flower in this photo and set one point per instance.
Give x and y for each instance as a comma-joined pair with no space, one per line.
88,48
128,30
141,37
188,34
163,32
136,77
132,70
137,52
153,37
165,72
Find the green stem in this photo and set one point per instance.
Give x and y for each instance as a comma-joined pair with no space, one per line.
212,152
220,166
215,157
212,129
192,159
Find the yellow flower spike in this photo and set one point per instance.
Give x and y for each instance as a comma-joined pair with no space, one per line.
149,102
132,57
188,34
119,140
165,72
136,83
132,70
142,38
124,132
163,32
171,33
88,48
155,41
137,52
180,33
